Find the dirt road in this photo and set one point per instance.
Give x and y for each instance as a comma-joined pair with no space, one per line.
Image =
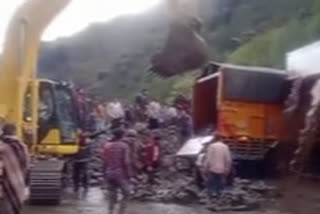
298,198
95,203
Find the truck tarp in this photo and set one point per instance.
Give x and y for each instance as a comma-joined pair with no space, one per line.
254,84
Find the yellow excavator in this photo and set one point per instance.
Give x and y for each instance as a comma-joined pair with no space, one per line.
43,110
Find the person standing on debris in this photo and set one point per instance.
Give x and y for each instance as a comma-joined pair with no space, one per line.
154,112
101,116
172,115
131,139
91,125
142,99
129,116
14,163
117,161
151,155
82,106
116,113
183,103
217,165
185,122
80,164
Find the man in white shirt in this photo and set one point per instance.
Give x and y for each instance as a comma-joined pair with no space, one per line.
116,113
154,113
115,110
217,165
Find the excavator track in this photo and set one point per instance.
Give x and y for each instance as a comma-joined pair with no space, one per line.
46,182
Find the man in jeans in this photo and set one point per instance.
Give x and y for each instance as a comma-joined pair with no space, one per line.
217,165
80,164
117,162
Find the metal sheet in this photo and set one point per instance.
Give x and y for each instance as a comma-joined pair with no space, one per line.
194,146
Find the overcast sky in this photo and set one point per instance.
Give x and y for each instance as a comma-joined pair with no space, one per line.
78,15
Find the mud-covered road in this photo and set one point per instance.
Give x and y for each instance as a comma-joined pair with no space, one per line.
298,198
95,203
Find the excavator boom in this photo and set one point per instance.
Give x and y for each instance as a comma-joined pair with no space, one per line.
20,52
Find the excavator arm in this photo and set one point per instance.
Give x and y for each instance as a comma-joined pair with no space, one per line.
20,52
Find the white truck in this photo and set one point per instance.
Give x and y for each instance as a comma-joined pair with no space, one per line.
304,60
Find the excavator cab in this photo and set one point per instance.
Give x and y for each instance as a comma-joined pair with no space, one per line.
56,118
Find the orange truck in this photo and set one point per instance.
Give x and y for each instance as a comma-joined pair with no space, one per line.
243,105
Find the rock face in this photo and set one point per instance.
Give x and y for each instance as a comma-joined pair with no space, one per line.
302,106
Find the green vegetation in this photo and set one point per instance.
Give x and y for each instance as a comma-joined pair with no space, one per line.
269,49
111,59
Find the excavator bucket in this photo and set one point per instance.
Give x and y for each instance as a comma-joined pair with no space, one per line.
184,50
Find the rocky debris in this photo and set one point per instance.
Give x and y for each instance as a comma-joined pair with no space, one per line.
167,191
174,181
245,195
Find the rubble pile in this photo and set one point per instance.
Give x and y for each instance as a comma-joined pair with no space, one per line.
176,184
245,195
174,181
174,189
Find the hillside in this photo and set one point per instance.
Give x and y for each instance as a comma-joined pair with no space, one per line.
112,58
269,48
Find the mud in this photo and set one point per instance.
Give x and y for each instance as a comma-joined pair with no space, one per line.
96,203
298,198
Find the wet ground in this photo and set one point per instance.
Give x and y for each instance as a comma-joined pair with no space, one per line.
298,198
96,203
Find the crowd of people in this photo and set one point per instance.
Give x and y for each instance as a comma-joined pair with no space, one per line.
135,146
132,146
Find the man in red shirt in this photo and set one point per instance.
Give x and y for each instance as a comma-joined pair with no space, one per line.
117,163
150,155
